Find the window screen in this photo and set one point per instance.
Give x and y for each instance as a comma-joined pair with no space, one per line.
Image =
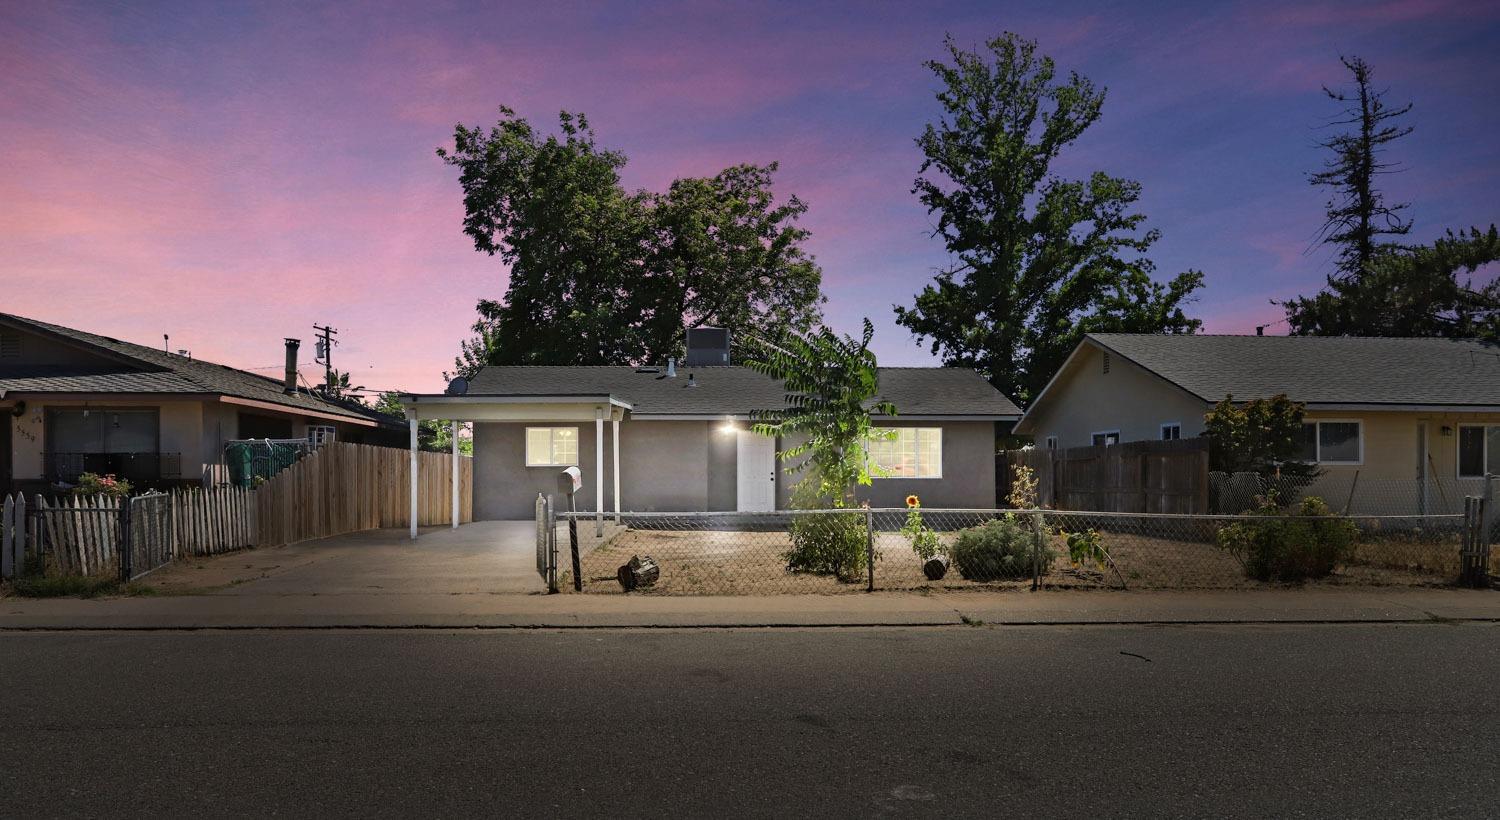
1338,442
1471,451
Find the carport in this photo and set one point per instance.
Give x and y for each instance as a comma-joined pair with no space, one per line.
458,406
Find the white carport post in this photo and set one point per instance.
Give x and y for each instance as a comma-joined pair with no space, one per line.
615,440
599,472
455,473
411,420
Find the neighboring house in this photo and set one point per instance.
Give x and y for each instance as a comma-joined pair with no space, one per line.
1415,417
75,402
679,438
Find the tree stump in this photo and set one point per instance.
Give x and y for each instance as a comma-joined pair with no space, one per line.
638,572
935,567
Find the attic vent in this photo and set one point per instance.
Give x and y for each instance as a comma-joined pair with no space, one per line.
1106,363
10,345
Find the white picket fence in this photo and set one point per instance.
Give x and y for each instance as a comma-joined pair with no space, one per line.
81,534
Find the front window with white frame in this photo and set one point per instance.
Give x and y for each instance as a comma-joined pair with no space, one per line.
1476,443
551,446
907,452
1105,438
1051,442
321,434
1335,441
1171,431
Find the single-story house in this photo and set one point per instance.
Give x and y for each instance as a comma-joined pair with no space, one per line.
1409,420
678,438
74,402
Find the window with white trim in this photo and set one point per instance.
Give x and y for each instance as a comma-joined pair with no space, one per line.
909,452
1171,431
1475,443
1051,442
1333,442
1105,437
551,446
321,434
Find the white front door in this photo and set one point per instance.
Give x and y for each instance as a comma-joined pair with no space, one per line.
755,472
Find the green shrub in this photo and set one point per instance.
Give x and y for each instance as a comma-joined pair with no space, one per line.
1291,544
997,550
828,544
92,484
65,586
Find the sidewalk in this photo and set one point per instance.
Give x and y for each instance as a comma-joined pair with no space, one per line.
420,610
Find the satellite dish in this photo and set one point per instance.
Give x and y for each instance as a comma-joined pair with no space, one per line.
458,386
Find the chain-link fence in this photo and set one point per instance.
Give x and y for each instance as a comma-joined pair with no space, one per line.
1346,491
838,551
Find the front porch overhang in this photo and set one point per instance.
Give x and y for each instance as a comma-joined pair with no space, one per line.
524,408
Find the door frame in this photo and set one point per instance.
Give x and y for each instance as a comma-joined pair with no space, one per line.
742,468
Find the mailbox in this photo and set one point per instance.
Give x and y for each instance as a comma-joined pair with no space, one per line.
570,481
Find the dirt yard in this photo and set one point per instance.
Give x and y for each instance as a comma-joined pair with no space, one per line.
750,563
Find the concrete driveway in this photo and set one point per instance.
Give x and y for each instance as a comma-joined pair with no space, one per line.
483,557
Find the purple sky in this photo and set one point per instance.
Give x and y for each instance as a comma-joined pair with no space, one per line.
233,176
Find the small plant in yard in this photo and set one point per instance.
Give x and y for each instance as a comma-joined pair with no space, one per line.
825,543
1291,545
91,484
924,542
997,550
1023,493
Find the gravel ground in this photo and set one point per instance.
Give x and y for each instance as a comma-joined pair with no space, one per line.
716,562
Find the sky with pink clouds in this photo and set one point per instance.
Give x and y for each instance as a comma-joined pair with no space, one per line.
233,173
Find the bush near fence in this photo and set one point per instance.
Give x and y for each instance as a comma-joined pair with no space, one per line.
746,553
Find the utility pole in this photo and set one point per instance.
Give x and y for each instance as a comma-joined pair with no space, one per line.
324,348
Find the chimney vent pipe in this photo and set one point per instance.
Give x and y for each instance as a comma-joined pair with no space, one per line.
291,365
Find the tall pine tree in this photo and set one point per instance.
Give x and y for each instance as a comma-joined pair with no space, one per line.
1384,288
1357,213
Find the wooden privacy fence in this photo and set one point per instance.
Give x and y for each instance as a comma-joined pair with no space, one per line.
1136,476
345,488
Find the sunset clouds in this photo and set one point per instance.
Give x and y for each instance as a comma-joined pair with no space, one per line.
232,176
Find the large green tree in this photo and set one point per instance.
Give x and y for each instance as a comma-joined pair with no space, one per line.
1039,259
601,275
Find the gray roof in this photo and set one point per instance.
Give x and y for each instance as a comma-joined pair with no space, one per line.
916,391
133,368
1319,369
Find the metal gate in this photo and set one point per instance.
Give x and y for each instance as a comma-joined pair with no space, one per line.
146,530
546,541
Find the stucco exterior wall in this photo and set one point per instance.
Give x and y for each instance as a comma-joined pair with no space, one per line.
180,430
968,480
690,466
1085,400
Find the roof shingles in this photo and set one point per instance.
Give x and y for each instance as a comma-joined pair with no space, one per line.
148,370
1318,369
916,391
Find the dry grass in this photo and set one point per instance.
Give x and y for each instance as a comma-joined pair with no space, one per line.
720,562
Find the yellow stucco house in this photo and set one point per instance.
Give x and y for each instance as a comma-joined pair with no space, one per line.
1394,425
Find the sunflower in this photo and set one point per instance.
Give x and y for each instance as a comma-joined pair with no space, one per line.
913,502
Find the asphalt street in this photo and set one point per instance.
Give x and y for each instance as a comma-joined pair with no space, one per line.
1247,721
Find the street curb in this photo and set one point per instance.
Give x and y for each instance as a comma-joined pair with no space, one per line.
431,627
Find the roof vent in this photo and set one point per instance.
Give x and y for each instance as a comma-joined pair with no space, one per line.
648,368
707,347
671,368
691,382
